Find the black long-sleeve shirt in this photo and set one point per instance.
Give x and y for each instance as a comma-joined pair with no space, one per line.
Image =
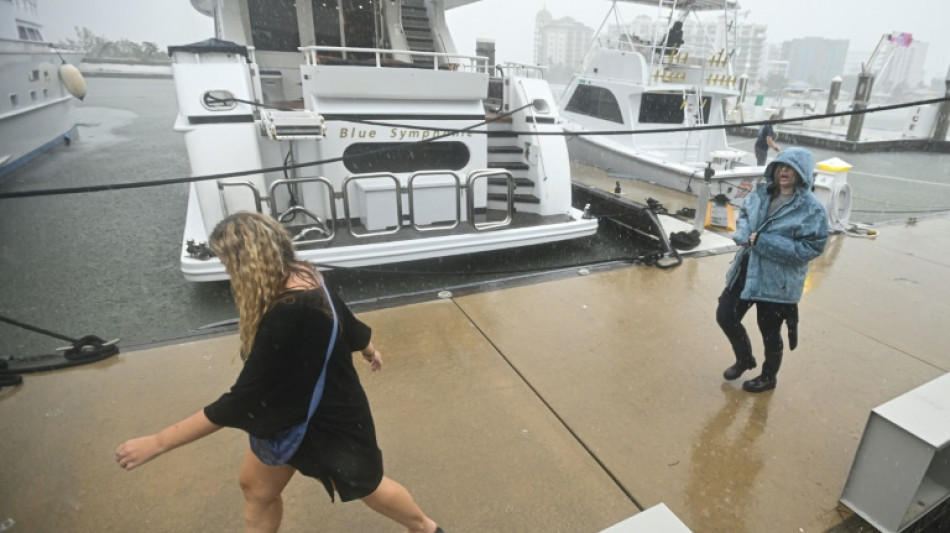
274,390
275,386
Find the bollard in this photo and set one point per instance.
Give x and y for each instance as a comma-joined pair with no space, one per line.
943,115
861,96
833,94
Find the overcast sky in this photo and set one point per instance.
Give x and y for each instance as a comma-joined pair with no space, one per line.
511,22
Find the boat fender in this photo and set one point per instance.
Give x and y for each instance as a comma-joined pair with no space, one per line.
73,81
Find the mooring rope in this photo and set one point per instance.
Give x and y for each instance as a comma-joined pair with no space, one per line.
443,134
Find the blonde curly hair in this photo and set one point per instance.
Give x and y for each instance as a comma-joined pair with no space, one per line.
258,254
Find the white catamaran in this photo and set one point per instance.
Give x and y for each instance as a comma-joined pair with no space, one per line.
357,124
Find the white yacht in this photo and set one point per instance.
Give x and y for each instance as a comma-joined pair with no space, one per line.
358,125
38,86
643,86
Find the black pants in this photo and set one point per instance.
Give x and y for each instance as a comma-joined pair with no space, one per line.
769,315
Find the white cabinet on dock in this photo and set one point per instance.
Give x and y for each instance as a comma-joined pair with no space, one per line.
901,471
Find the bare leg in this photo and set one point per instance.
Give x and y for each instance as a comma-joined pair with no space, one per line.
262,485
393,501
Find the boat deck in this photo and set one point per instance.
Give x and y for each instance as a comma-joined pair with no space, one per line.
566,405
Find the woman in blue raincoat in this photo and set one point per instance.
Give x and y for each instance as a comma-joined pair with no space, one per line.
781,227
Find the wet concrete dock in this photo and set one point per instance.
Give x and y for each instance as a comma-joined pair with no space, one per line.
567,405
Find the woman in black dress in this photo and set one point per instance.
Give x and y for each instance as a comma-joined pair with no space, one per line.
285,329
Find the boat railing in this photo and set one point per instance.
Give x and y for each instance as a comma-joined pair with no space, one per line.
522,70
326,228
484,174
320,225
397,198
222,185
319,55
684,64
457,195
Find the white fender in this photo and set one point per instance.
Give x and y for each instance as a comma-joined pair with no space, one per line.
73,81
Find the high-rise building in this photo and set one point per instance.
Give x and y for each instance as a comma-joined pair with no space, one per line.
814,61
752,53
560,44
854,61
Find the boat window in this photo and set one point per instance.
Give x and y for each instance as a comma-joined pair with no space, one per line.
596,102
360,21
274,25
326,24
362,158
666,108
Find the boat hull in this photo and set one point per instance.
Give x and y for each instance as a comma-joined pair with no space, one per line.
573,226
30,133
36,113
735,183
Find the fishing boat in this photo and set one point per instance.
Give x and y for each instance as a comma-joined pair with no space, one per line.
39,83
358,125
649,90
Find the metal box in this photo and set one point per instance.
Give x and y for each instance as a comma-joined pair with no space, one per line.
901,470
656,519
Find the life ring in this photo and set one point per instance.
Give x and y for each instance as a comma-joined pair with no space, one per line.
73,81
840,206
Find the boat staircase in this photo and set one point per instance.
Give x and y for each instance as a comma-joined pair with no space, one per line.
504,153
418,31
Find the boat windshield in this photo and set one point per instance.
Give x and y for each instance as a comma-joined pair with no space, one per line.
343,23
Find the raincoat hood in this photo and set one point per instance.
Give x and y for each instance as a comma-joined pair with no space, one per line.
798,158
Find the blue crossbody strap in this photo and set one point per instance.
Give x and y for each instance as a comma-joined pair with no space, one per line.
318,390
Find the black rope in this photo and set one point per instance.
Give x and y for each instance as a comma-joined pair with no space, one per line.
447,133
38,330
546,270
87,349
283,168
686,128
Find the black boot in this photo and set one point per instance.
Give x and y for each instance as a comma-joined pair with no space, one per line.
736,370
766,381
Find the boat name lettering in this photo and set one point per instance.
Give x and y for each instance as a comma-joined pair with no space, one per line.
401,134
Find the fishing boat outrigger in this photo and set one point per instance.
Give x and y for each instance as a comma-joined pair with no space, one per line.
357,125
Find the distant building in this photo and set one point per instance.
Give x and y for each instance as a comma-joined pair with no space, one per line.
854,60
751,51
777,67
560,45
814,61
